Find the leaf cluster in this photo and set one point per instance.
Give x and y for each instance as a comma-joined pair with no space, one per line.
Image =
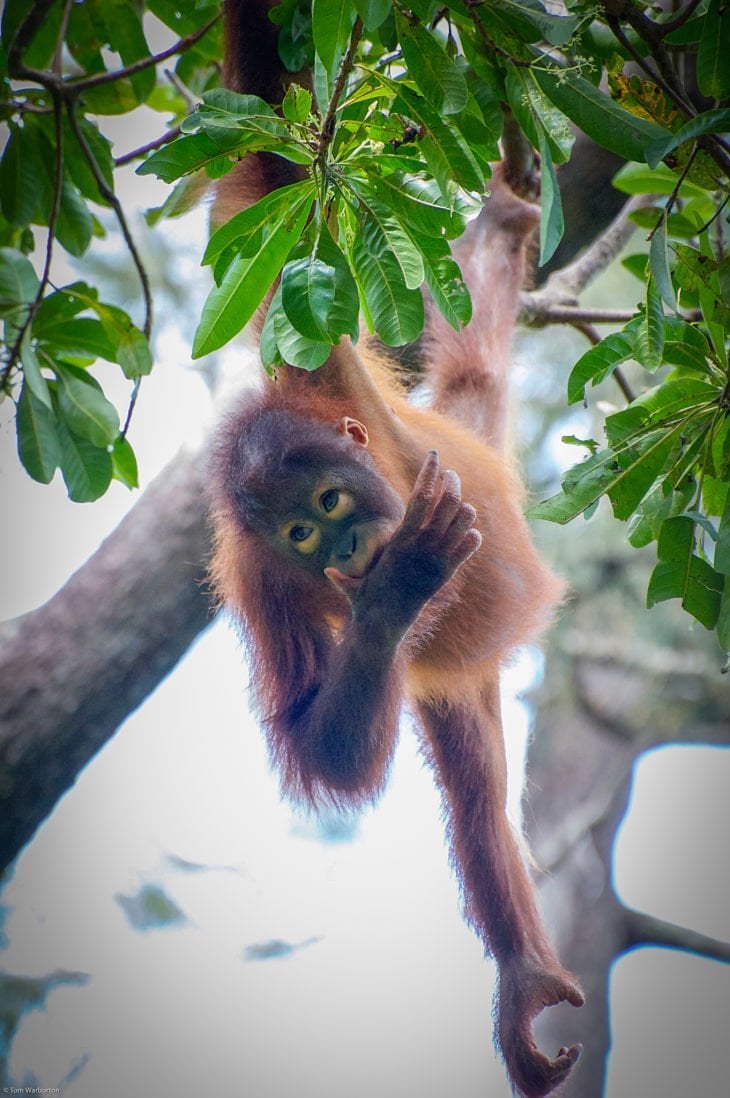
64,67
392,139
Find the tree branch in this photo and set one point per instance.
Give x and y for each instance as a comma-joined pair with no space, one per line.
182,44
647,930
75,668
563,286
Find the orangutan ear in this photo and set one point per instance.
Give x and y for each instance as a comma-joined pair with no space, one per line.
357,431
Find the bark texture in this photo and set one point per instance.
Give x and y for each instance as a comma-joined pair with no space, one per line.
75,668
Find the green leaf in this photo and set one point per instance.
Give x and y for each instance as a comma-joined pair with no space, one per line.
717,121
34,379
231,305
659,263
87,469
444,149
22,175
603,473
445,284
38,445
271,357
713,72
536,114
297,104
130,346
295,348
638,179
529,20
683,575
332,22
438,78
722,548
552,223
250,221
124,463
599,363
373,12
133,351
723,620
598,116
76,164
18,282
190,153
319,294
418,203
649,336
396,311
75,225
643,462
83,406
382,230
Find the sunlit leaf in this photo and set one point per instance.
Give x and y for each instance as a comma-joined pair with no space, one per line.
436,75
231,305
332,22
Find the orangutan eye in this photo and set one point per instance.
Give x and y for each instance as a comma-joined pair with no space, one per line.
301,534
336,503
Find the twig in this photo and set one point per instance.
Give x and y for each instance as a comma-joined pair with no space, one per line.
108,194
168,136
534,309
25,35
58,53
679,20
180,46
471,7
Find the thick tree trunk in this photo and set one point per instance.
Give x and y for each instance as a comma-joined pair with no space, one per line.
75,668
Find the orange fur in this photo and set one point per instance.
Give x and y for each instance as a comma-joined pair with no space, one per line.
330,669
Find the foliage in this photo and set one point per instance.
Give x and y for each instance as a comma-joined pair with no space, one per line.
60,79
394,139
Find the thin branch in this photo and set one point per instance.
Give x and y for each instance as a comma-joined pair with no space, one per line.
666,77
471,7
327,132
679,20
58,52
536,309
180,46
564,285
657,77
108,194
135,154
25,35
643,930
